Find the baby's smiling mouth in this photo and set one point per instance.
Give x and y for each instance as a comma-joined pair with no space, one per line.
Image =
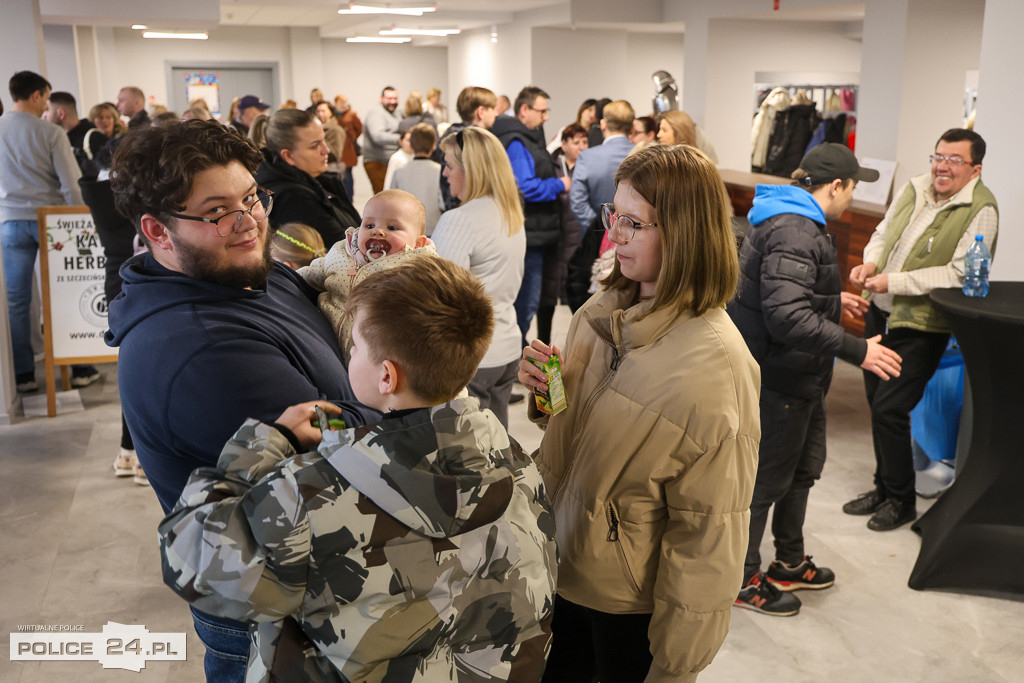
377,248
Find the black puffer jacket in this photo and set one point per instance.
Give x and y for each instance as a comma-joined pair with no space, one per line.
320,202
542,219
788,303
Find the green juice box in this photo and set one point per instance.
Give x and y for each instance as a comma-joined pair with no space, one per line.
553,400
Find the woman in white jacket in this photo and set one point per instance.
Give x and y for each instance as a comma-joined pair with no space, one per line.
485,235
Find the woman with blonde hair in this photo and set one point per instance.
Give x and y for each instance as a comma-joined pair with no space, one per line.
485,235
677,128
651,465
107,119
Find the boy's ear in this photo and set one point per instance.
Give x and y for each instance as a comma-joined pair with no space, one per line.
422,241
156,232
390,378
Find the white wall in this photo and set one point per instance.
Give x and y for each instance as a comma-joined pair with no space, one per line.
737,49
61,63
1000,103
360,71
943,42
573,66
504,67
647,53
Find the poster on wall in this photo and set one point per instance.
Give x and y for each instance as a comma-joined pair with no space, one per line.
205,85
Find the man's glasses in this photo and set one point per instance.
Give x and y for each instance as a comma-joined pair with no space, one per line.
626,225
952,161
540,111
232,220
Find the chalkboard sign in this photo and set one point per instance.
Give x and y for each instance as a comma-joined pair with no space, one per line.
72,266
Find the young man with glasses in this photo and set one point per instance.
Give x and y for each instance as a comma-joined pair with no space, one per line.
787,308
522,135
919,246
211,331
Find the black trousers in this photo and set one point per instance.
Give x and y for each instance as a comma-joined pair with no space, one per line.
790,460
589,646
891,401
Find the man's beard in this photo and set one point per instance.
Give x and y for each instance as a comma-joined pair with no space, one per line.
200,265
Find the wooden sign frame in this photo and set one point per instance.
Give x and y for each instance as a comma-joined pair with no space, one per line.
53,362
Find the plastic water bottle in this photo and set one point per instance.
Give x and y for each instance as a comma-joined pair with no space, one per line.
976,262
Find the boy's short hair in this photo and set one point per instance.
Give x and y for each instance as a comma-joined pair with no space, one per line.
65,101
472,97
572,130
407,198
431,318
422,138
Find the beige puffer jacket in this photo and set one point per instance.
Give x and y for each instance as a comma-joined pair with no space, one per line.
651,470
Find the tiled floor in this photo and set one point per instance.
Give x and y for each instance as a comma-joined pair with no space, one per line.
78,546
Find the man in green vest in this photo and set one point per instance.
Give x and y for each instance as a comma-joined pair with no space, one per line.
919,246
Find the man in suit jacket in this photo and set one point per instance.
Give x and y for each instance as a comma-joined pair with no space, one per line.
593,179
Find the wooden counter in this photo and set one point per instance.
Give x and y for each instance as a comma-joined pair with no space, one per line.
851,232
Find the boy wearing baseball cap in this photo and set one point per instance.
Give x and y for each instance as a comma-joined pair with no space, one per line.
787,307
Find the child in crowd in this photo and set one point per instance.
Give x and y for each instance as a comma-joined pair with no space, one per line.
422,175
420,548
401,157
392,232
296,245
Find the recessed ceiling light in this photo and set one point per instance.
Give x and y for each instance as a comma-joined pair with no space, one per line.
377,39
353,8
139,27
420,32
178,36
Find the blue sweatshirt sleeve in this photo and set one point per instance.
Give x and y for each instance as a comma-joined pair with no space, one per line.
534,189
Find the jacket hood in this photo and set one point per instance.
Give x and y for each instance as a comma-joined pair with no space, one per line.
441,471
772,200
149,288
276,168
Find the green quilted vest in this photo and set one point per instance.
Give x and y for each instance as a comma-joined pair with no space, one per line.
935,247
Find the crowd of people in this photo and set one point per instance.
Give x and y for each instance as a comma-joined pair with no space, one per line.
319,396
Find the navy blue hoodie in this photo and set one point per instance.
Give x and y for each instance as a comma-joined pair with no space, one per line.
197,359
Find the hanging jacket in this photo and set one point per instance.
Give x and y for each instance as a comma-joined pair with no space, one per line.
791,131
777,100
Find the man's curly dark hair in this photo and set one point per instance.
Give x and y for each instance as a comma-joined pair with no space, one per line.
153,168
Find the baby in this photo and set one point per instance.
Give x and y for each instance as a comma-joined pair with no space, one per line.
392,233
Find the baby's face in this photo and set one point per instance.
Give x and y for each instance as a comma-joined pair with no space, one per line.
388,227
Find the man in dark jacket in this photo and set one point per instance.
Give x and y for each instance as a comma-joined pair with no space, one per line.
523,139
211,331
788,307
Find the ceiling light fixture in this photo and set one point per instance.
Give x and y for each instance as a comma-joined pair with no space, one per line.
139,27
353,8
178,36
420,32
377,39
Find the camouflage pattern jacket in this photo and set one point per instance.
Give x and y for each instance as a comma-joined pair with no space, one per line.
417,549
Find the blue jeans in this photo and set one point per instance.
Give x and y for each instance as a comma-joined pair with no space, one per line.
20,244
227,647
528,300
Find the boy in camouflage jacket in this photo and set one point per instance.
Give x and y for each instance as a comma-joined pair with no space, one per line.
418,549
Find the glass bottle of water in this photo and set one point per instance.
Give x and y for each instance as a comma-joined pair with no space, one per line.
976,264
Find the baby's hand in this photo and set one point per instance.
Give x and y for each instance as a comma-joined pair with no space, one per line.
350,245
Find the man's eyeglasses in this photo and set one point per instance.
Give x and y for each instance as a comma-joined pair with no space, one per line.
539,111
232,220
952,161
626,225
